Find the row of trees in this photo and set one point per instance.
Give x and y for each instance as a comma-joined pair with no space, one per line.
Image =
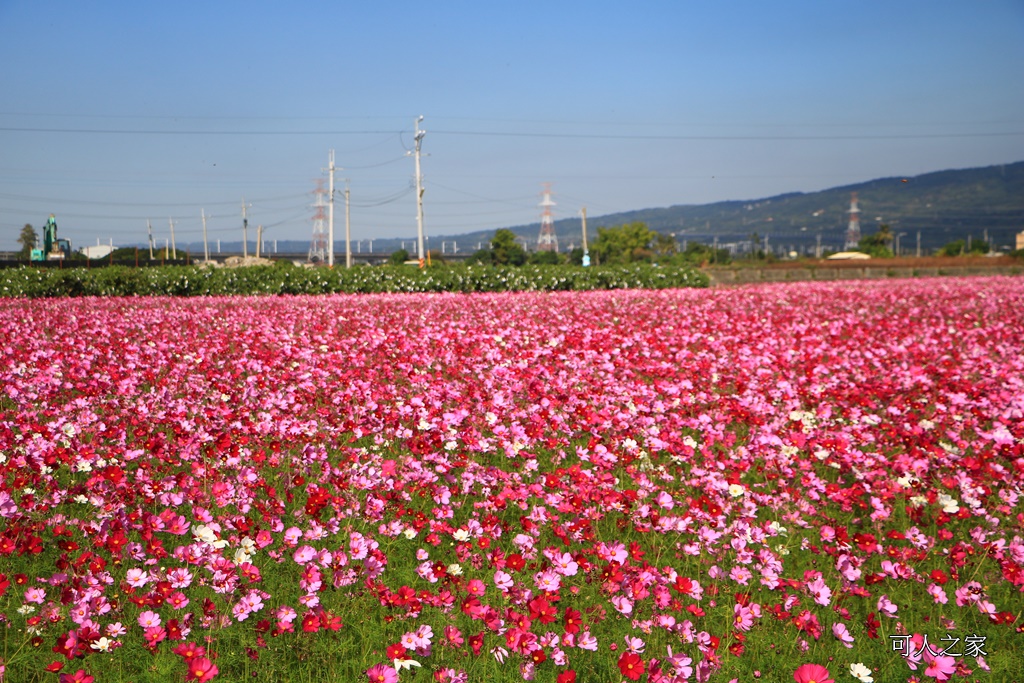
878,245
623,244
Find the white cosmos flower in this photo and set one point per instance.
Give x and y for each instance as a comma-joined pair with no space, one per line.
861,673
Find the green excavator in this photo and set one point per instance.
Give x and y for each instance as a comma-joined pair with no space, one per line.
54,249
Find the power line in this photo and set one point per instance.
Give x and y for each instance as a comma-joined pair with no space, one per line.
486,133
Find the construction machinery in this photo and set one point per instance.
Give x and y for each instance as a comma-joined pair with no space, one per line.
54,249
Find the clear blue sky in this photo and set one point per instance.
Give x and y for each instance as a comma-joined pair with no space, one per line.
115,112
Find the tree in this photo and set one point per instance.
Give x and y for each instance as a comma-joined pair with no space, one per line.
28,240
624,243
399,257
506,250
877,245
665,245
755,246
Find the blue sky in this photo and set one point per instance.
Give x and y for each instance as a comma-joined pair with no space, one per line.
112,113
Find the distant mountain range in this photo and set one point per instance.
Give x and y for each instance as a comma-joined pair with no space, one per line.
942,206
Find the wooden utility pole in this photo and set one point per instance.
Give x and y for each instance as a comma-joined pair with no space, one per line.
174,249
348,229
259,238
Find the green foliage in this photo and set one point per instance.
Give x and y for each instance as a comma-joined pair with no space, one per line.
960,248
399,257
626,243
200,281
545,258
877,245
483,257
505,250
698,254
954,248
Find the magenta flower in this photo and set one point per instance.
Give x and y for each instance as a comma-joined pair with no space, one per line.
812,673
382,673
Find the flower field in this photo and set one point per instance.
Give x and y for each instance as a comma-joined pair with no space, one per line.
810,481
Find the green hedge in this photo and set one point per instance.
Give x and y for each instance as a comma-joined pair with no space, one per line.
196,281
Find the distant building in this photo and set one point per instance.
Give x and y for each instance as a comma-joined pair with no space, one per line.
98,250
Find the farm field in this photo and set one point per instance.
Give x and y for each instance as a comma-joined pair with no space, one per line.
802,481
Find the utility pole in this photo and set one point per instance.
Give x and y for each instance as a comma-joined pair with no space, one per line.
174,249
259,238
817,249
918,244
419,193
586,251
245,231
330,210
348,228
149,226
206,246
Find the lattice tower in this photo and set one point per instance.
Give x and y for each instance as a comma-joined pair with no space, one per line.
318,246
853,228
547,241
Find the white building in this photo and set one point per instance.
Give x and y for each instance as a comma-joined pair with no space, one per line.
98,250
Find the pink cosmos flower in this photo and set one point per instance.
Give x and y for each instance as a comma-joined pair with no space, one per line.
840,631
304,554
743,618
941,667
820,591
886,606
149,619
503,580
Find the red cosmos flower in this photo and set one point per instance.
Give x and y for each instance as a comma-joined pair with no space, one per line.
189,651
476,642
537,655
78,677
812,673
631,665
515,562
572,620
68,645
55,666
396,651
567,676
310,623
541,610
200,669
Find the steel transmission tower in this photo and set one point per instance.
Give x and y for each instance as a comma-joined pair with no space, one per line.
318,249
547,241
853,229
